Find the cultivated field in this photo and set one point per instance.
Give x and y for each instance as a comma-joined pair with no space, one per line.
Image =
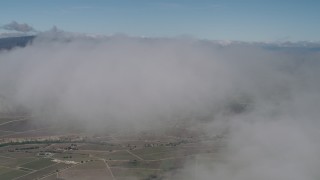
29,152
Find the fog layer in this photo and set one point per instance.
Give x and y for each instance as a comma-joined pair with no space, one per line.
266,100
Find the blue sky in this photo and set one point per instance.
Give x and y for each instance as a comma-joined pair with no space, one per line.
247,20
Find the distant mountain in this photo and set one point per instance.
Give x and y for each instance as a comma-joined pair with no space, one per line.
11,42
55,35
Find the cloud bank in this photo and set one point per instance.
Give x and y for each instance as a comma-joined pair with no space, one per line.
14,26
266,100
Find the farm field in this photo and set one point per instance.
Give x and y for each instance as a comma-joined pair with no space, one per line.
32,153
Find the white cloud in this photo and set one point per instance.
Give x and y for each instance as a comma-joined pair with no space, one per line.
143,83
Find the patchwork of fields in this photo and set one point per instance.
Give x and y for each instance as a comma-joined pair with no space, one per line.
102,157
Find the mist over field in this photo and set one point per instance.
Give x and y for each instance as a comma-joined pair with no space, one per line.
265,99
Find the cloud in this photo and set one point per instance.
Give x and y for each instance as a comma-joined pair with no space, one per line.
264,100
14,26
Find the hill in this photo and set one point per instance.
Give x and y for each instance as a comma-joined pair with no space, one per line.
11,42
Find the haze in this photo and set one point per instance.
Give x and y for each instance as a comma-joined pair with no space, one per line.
265,100
231,88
